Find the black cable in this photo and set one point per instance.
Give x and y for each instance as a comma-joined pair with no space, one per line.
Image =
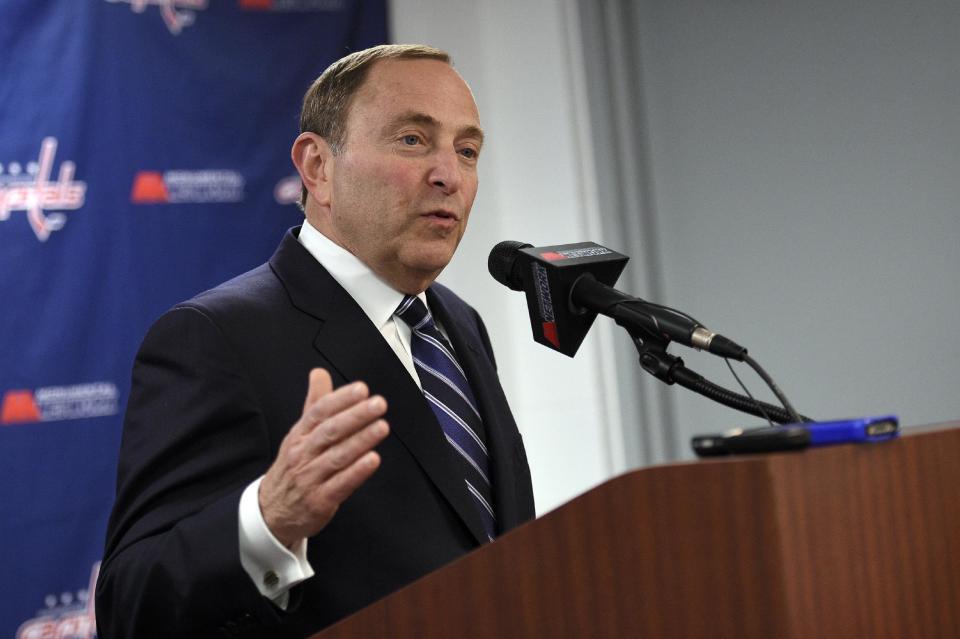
671,310
652,344
753,364
776,390
695,382
747,390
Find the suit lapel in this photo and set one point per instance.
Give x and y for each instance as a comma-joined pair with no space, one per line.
357,351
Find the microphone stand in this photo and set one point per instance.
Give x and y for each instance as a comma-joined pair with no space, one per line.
651,335
670,369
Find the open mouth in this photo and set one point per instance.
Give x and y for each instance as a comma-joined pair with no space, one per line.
445,217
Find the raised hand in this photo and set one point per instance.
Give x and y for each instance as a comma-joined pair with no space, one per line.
325,457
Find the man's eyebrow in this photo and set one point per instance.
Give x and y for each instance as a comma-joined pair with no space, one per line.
473,132
423,119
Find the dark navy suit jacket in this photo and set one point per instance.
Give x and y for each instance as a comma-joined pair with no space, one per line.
217,383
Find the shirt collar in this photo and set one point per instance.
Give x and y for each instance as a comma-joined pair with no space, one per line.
376,298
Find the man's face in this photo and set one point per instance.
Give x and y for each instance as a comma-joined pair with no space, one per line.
404,182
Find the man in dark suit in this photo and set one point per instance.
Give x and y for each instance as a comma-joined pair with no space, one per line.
287,455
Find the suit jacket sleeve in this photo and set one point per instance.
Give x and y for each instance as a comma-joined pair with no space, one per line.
193,439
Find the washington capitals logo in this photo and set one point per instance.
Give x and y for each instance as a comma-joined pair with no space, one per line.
34,193
176,14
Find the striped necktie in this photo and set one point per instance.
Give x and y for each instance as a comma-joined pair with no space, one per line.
447,391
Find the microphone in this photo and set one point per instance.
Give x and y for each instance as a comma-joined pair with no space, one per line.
567,285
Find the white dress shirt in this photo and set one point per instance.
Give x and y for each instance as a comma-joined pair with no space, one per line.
272,567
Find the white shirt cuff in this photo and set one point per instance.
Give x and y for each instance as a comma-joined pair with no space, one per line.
273,568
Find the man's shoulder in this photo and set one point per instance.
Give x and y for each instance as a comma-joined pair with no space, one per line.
261,288
247,310
256,289
245,303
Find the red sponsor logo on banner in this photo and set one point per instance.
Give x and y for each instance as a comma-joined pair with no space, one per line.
187,187
32,191
59,403
176,14
148,188
19,407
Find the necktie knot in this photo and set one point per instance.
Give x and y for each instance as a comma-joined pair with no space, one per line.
414,313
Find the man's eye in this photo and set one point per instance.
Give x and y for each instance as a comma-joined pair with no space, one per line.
469,153
411,140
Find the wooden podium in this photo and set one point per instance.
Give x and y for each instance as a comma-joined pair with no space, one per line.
843,541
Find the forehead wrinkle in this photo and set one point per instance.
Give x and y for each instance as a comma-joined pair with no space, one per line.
424,119
410,117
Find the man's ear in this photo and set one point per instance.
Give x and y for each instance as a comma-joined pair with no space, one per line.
313,158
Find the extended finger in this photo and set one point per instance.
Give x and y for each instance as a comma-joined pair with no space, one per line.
331,404
345,423
338,458
343,484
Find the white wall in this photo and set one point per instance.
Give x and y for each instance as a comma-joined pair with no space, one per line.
516,58
806,170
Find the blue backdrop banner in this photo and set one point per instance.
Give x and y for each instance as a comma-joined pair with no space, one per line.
144,157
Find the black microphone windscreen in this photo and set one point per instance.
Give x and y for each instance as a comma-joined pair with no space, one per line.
501,263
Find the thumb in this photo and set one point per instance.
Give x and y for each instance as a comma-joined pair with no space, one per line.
319,384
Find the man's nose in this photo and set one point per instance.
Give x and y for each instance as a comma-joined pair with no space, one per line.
446,172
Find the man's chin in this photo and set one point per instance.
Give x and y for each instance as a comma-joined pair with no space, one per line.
431,256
